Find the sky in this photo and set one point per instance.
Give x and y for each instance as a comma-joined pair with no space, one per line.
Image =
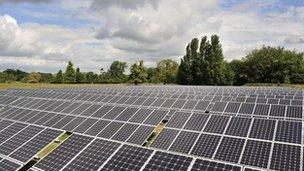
43,35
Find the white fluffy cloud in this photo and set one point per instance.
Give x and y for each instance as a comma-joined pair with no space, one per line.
146,29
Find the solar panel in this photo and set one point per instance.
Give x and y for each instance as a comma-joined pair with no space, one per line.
140,116
128,158
238,126
206,145
256,153
262,129
211,165
167,162
97,127
156,117
11,131
232,107
246,108
288,131
29,149
219,106
201,105
8,165
110,130
294,112
196,122
178,119
230,149
64,153
125,132
285,157
184,141
84,126
112,114
17,140
74,123
261,109
277,110
102,111
165,138
93,156
216,124
127,114
140,135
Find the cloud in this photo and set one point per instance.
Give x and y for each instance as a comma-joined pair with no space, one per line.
93,33
126,4
24,1
294,39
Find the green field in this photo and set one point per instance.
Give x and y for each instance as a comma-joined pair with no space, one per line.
47,85
20,85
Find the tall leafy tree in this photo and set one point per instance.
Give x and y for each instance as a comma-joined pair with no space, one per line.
34,77
166,71
80,77
70,74
138,73
184,74
59,78
117,69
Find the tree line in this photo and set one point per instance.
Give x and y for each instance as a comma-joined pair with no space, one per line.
202,64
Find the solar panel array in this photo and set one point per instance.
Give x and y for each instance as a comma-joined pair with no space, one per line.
206,128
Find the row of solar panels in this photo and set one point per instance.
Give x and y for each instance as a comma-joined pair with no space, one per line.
183,135
185,89
79,152
206,96
249,109
286,131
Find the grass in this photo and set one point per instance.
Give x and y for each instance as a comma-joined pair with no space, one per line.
19,85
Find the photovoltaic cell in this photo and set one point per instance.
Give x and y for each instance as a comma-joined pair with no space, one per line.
165,138
128,158
125,131
112,114
219,106
277,110
285,157
17,140
11,131
201,105
97,127
156,117
230,149
102,111
216,124
29,149
261,109
110,130
93,156
200,165
232,107
140,135
141,115
288,131
7,165
206,145
178,119
262,129
184,141
84,126
246,108
256,153
64,153
238,126
196,122
294,111
168,162
127,114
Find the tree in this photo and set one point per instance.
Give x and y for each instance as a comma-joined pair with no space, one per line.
17,73
5,78
70,74
204,63
184,74
91,77
46,77
79,77
166,71
34,77
138,73
59,78
117,69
